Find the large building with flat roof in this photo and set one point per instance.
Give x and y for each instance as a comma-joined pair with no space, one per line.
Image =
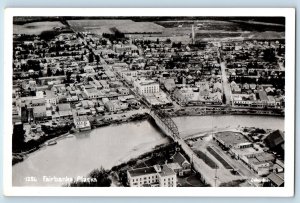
232,140
153,176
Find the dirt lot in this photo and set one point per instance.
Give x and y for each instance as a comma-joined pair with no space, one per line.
36,28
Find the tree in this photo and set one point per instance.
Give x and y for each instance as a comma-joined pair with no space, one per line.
97,57
100,175
49,72
18,138
68,76
91,58
78,78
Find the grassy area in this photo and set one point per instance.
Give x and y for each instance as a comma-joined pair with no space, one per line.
220,159
206,159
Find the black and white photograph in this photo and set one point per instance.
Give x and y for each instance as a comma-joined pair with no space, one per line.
182,98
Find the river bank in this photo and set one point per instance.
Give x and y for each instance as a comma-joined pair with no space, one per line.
224,110
18,157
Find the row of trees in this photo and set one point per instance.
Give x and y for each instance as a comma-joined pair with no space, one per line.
96,178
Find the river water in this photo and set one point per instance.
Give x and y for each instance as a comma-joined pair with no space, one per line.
189,125
112,145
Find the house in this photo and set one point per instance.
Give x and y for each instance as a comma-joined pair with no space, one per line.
185,166
274,139
82,123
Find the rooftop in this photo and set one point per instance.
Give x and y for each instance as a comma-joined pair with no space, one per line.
277,179
232,138
142,171
166,171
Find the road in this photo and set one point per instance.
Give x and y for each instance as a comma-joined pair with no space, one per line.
226,85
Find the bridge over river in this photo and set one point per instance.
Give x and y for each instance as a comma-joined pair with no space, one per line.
208,174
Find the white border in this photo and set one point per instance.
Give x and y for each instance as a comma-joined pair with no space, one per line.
286,191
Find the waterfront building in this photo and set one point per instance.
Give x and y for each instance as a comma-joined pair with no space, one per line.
82,123
153,176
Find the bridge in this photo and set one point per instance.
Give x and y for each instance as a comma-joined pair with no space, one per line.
168,126
208,175
165,122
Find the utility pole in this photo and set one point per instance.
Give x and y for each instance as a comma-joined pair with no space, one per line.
216,175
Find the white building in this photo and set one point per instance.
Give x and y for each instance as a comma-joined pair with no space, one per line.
154,176
144,86
82,123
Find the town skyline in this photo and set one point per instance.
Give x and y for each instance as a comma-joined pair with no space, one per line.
74,77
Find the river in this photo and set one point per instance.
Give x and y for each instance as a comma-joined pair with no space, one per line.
78,155
112,145
188,125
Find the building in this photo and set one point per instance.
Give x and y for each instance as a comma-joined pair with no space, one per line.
232,140
184,165
242,149
274,139
143,177
82,123
88,69
169,84
93,93
153,176
144,86
276,179
39,113
184,95
50,97
64,110
123,90
166,176
115,105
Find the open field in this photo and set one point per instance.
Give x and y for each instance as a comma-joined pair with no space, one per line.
105,26
264,35
97,26
140,27
36,28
